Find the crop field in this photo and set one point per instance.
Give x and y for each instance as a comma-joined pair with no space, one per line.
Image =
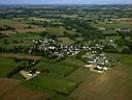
42,82
73,62
59,69
10,89
7,84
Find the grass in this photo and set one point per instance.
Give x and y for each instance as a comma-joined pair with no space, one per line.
57,31
79,75
66,40
43,82
6,66
73,61
55,68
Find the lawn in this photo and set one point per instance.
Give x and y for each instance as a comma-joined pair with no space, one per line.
59,85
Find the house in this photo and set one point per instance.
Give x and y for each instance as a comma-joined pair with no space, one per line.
29,74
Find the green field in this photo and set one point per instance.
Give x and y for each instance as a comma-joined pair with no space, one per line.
43,82
66,40
114,25
55,68
57,31
6,66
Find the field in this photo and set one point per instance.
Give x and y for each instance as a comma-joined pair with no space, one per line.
110,27
59,69
7,84
19,40
51,83
65,40
57,31
6,66
114,25
115,84
45,40
10,89
20,26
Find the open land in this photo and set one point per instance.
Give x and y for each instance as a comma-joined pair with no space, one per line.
55,43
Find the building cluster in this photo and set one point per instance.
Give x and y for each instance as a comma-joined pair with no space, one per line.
97,61
54,49
29,74
94,57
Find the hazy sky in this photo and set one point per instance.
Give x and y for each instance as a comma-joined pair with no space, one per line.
65,1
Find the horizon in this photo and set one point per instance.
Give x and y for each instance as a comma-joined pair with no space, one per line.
66,2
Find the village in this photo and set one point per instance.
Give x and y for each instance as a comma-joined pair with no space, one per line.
93,56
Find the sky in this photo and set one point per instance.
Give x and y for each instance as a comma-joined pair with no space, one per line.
66,2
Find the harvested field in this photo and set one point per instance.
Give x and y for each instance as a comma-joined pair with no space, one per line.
7,84
10,90
24,94
112,85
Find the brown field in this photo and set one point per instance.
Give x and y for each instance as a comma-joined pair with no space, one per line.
7,84
24,94
112,85
19,56
10,90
